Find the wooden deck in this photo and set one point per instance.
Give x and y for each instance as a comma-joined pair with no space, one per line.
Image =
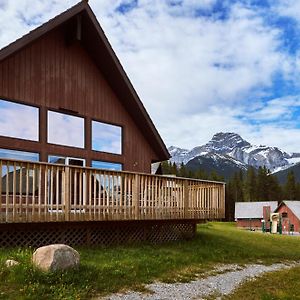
42,192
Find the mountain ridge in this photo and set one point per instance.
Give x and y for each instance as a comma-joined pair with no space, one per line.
230,145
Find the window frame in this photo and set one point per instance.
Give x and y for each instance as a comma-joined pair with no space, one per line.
38,107
67,113
112,124
19,150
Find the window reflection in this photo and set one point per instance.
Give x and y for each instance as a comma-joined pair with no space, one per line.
56,159
19,155
19,120
65,129
106,137
9,172
106,165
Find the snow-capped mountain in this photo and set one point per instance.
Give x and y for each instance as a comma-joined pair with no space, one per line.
223,165
243,154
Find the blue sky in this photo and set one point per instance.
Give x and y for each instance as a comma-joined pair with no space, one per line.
199,66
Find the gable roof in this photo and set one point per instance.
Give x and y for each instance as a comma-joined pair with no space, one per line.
294,206
96,43
252,210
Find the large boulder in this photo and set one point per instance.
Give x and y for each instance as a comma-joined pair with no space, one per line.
55,257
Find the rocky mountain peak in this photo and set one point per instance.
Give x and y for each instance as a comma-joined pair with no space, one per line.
227,141
230,144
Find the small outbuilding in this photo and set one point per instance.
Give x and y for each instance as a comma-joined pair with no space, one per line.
290,215
250,214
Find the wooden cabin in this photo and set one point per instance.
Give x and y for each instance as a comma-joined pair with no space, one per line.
76,146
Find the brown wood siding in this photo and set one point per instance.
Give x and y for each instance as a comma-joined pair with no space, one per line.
291,218
51,74
249,223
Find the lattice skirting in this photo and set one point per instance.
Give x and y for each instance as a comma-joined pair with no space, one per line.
94,233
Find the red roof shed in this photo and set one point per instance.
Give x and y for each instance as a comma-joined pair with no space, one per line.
290,212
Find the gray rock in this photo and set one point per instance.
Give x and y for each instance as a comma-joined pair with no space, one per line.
56,257
11,263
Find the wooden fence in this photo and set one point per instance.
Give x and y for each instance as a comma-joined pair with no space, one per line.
42,192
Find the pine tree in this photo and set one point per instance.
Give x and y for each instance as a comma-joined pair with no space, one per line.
182,172
215,176
297,191
230,201
165,165
262,184
290,187
251,185
237,183
275,191
174,170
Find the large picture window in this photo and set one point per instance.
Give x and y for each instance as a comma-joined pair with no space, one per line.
19,120
65,129
106,165
19,155
106,137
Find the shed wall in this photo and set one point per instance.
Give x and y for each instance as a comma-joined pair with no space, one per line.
292,219
247,223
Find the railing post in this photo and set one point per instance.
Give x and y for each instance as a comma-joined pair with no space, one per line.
186,199
136,196
67,193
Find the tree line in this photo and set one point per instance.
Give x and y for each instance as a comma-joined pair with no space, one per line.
251,185
183,171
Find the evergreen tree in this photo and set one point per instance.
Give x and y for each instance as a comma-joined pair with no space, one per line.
183,172
237,183
200,174
290,187
230,201
262,184
251,185
275,190
165,165
174,170
297,191
215,176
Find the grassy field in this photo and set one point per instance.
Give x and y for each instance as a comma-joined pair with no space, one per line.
276,285
106,270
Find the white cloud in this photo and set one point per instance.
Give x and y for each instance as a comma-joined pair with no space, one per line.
18,121
196,75
18,17
274,109
65,129
184,67
288,8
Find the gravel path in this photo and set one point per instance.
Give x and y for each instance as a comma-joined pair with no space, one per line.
219,284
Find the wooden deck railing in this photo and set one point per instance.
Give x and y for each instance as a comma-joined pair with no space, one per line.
42,192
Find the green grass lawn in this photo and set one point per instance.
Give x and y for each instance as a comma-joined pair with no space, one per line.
109,269
283,284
